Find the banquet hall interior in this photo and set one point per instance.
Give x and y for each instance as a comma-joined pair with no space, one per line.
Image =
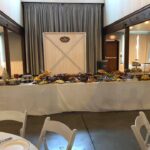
74,74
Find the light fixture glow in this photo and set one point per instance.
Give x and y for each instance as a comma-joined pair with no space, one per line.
131,27
146,22
112,37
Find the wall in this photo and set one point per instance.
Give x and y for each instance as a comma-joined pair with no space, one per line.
117,9
2,52
143,51
66,1
15,53
13,9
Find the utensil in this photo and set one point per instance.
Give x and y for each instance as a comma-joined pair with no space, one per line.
5,140
17,144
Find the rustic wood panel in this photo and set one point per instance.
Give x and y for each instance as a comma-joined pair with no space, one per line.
65,57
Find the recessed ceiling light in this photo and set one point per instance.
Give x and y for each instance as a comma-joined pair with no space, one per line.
146,22
112,37
131,27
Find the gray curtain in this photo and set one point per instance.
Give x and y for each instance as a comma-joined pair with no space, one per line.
53,17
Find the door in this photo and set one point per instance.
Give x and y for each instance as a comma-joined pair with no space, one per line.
111,54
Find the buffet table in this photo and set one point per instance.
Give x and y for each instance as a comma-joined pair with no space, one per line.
93,97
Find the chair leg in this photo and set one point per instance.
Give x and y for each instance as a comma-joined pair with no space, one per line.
45,144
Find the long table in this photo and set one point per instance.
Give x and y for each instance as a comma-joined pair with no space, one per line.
93,97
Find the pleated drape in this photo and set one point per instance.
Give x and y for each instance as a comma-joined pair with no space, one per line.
49,17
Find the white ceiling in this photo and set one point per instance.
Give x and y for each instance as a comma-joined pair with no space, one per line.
117,9
66,1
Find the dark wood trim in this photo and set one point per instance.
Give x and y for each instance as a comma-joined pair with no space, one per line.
103,47
23,54
23,46
26,55
7,52
134,18
102,25
126,52
117,55
10,24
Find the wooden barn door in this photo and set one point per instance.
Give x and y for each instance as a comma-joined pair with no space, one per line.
65,52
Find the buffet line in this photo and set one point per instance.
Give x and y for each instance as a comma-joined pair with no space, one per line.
76,92
101,76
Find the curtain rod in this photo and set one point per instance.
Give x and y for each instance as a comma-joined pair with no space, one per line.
60,3
63,1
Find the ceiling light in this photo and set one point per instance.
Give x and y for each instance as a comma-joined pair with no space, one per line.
112,37
146,22
131,27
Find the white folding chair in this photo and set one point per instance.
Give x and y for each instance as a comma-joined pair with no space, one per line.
141,121
15,116
59,128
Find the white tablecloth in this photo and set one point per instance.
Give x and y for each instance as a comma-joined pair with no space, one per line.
4,135
95,97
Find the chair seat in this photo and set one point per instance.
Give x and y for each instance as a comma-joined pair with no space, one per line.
15,116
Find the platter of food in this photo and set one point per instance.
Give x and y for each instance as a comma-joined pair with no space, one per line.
101,76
